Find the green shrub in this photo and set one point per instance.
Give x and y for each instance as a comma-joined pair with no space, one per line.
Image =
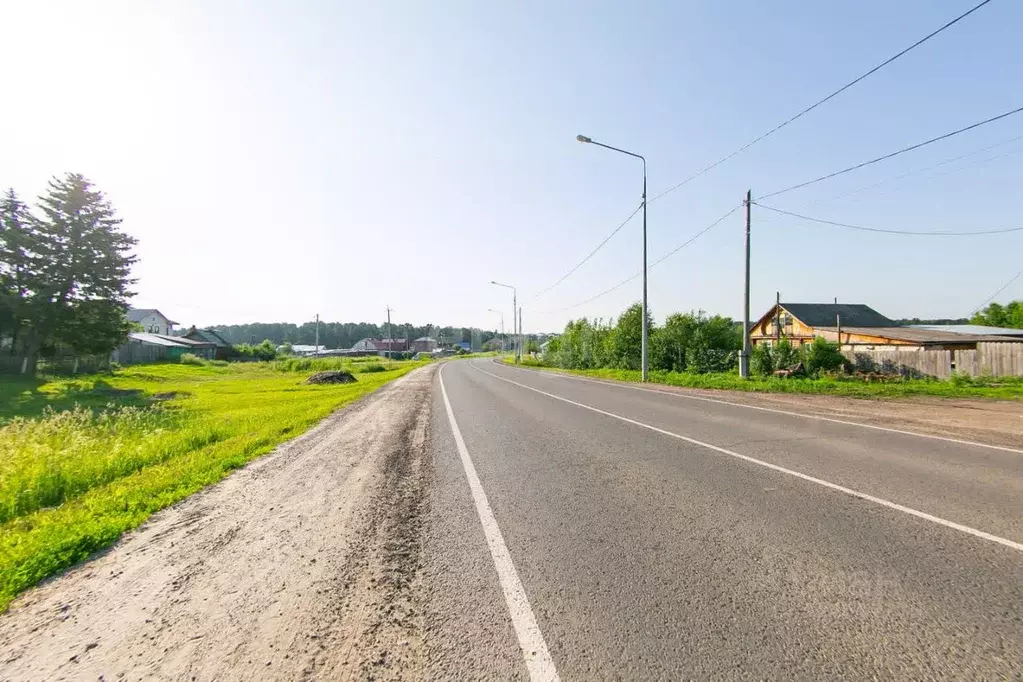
191,359
785,355
822,356
263,351
368,369
761,360
960,380
219,363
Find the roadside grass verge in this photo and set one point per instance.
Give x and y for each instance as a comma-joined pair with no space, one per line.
84,460
354,365
998,388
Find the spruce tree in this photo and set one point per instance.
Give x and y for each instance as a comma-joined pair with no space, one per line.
85,267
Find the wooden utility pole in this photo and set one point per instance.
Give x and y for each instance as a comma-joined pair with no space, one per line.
389,337
838,325
777,317
744,358
316,343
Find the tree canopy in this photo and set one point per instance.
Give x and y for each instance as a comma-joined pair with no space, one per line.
65,270
998,315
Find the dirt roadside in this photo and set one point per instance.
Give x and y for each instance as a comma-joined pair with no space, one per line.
304,564
996,422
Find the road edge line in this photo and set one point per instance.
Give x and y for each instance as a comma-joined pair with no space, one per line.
1012,544
623,384
531,641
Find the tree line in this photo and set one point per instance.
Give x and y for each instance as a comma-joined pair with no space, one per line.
686,342
343,334
1009,315
65,271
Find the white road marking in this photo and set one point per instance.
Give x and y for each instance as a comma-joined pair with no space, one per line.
827,484
687,396
534,648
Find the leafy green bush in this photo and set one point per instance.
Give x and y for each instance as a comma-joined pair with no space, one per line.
822,356
263,351
960,380
785,355
761,361
367,369
191,359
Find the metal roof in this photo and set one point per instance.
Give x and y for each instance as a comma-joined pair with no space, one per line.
922,336
975,329
824,314
158,340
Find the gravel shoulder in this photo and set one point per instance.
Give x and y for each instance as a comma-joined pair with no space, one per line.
985,421
993,422
304,564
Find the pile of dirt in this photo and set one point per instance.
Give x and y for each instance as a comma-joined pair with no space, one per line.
333,377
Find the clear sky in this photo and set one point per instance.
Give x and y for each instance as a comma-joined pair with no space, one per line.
281,159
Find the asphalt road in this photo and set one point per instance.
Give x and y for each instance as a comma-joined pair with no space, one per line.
590,531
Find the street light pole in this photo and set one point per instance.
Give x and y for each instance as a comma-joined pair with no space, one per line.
515,305
587,140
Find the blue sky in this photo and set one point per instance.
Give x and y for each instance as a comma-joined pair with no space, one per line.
279,159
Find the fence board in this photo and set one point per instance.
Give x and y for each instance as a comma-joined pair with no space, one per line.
908,363
990,358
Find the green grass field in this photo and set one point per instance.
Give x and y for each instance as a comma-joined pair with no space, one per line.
1000,388
83,460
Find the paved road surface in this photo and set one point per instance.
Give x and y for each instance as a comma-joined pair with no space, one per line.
646,555
488,522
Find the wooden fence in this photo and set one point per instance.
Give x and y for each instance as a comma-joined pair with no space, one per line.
127,354
139,354
64,364
908,363
994,359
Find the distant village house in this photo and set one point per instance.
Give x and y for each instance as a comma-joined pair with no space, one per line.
152,320
857,327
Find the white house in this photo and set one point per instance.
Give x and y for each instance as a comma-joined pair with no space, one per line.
152,320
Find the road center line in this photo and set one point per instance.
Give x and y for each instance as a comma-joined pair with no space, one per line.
534,648
687,396
827,484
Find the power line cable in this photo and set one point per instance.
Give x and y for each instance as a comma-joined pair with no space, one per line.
591,253
1003,288
771,132
886,231
893,154
655,263
931,167
820,102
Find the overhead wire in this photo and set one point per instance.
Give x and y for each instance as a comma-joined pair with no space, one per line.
591,253
893,154
770,132
931,167
887,231
1003,288
822,101
655,263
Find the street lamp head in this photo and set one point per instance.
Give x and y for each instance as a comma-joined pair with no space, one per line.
583,138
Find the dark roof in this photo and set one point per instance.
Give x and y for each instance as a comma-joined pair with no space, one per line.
824,314
209,336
